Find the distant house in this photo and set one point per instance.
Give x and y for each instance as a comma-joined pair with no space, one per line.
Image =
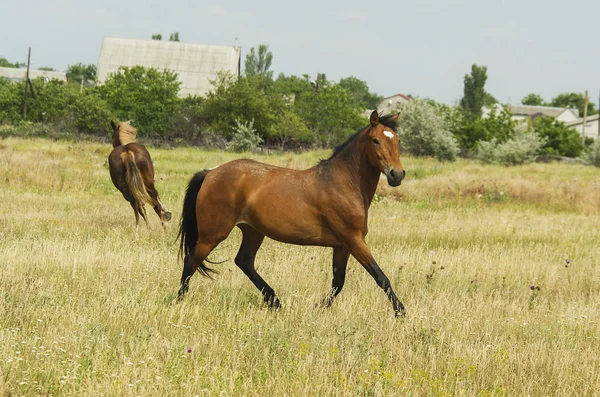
522,112
19,74
392,103
590,129
195,64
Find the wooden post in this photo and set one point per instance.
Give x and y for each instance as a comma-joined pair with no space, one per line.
585,103
26,83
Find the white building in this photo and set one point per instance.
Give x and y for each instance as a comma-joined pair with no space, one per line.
590,129
19,74
523,112
195,64
392,103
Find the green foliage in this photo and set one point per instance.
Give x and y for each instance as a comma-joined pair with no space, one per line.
6,64
11,101
474,95
561,140
243,98
189,120
470,130
259,62
173,36
331,114
360,92
533,100
290,130
244,137
592,154
79,71
425,132
157,36
519,149
92,113
146,95
574,100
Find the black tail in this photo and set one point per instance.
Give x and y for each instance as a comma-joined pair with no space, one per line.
188,227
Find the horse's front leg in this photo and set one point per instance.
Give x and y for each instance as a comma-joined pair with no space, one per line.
359,249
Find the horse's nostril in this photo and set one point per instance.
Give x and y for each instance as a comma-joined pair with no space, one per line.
403,174
392,174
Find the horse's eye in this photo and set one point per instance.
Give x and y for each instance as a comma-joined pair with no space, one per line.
376,141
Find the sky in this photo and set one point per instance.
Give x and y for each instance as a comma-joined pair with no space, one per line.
422,47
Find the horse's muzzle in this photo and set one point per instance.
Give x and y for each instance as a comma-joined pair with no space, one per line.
395,177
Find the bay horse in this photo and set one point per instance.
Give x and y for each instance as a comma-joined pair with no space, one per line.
326,205
132,172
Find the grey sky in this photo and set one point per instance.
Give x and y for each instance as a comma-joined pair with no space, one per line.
414,47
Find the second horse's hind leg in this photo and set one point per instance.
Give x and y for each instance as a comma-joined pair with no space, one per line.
251,242
162,213
194,261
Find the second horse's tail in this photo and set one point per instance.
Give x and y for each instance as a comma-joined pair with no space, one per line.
134,179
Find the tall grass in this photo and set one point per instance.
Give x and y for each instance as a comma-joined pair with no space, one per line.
498,268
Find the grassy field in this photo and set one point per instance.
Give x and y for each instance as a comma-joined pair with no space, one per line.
85,309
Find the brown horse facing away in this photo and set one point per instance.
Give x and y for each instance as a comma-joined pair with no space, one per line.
326,205
132,172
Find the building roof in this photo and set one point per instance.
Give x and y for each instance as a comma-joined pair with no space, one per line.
400,95
19,74
580,121
526,110
195,64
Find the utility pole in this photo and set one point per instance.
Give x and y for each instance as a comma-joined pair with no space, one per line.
26,83
585,103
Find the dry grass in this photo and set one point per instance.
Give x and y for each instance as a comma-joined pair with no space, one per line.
86,310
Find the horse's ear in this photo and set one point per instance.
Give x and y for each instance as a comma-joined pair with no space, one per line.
395,117
374,119
113,125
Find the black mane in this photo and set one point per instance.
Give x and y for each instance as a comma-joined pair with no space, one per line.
386,120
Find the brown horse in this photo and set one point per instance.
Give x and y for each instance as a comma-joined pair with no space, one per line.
132,172
326,205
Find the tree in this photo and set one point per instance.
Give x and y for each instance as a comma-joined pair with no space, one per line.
157,36
243,99
360,92
259,62
533,100
474,96
6,64
79,71
560,139
424,131
174,36
574,100
146,95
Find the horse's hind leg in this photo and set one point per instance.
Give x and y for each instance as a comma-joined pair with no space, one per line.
340,262
195,260
251,242
162,213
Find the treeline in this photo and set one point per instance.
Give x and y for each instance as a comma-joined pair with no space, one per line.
288,111
242,112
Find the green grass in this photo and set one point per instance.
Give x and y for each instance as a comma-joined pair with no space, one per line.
86,309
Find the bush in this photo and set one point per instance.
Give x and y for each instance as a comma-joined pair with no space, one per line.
561,140
289,129
244,137
520,149
243,98
424,132
92,113
146,95
592,154
11,101
470,130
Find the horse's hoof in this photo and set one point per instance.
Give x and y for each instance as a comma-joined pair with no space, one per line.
400,313
274,303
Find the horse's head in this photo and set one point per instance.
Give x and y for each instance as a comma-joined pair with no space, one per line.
383,148
123,133
115,136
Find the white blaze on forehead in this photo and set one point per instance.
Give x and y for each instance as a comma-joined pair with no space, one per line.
389,134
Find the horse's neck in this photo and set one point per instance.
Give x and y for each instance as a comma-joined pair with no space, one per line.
353,162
